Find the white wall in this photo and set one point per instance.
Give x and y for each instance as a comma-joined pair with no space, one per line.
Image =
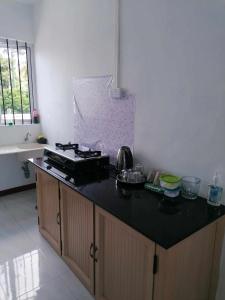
16,22
10,135
173,59
73,38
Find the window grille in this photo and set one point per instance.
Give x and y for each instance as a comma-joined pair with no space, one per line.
16,84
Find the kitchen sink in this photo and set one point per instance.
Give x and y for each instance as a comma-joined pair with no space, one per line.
29,150
23,151
31,146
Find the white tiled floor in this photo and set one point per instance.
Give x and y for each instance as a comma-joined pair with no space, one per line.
29,267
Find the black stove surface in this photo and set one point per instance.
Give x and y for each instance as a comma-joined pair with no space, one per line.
87,154
79,178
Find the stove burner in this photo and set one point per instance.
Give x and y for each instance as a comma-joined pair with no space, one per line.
87,154
65,147
80,153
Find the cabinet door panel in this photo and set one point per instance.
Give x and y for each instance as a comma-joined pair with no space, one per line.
124,268
77,234
220,233
48,209
185,269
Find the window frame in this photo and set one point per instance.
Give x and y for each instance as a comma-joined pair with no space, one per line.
29,50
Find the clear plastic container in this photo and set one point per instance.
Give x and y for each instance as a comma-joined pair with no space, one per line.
190,187
214,195
139,168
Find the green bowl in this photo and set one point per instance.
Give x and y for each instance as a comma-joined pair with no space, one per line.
169,181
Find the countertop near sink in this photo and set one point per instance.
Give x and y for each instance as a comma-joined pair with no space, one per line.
163,221
19,148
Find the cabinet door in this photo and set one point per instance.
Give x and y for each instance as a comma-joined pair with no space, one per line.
219,241
124,267
185,270
77,235
49,209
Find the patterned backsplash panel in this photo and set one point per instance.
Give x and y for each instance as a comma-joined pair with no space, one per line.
101,122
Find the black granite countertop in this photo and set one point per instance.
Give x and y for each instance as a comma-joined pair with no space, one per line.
163,221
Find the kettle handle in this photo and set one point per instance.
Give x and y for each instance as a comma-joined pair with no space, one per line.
127,158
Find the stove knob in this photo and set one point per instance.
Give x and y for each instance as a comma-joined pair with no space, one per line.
49,167
67,178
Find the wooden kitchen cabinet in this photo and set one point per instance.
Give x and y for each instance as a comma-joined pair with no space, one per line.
124,261
49,209
115,262
77,235
185,270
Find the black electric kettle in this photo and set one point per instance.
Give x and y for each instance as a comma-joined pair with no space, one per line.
124,159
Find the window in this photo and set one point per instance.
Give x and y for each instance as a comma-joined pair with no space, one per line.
16,86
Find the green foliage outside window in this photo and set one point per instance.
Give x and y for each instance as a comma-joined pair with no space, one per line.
17,95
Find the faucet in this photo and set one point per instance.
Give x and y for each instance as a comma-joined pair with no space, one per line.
26,139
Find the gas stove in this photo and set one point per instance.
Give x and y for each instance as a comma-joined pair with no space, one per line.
73,160
77,179
83,153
